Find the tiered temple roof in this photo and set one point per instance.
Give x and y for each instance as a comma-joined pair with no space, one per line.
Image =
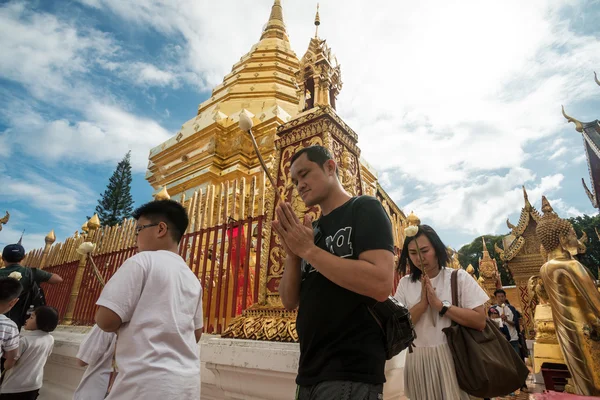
591,142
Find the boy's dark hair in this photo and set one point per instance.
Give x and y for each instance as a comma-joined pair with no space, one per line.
438,247
499,291
317,154
46,318
168,211
10,289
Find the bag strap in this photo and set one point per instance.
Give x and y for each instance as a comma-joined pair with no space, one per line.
454,284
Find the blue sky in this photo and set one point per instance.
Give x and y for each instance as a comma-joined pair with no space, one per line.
457,104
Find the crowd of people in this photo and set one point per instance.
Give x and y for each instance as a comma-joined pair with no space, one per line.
149,317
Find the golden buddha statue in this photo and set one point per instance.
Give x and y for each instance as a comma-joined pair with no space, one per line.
574,300
545,347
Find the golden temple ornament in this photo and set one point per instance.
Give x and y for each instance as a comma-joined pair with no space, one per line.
162,195
574,300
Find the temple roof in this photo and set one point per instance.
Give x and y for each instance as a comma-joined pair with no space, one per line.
591,142
512,247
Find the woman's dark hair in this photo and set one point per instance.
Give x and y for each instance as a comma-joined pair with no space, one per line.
438,247
168,211
46,318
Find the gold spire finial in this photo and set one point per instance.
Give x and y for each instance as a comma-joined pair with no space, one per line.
484,245
275,27
596,79
50,237
94,222
413,220
162,195
317,22
578,125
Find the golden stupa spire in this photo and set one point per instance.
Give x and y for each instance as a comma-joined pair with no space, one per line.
578,125
317,22
275,27
486,253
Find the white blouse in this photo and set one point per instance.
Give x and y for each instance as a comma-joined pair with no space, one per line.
470,295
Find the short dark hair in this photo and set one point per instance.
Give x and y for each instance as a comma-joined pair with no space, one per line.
46,318
168,211
438,247
499,291
10,289
317,154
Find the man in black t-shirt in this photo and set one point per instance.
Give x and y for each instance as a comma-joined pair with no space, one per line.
335,269
13,255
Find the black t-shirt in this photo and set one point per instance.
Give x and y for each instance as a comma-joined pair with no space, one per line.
339,339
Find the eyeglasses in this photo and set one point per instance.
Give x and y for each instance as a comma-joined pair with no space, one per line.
140,228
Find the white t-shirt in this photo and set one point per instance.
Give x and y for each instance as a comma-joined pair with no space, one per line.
159,300
96,350
470,295
28,373
9,335
514,335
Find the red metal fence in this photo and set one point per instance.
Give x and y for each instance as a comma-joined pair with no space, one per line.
225,258
58,295
85,307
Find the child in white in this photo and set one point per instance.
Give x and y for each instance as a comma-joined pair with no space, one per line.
154,302
35,346
96,352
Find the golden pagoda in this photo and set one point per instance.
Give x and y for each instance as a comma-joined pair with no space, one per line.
488,272
210,148
523,258
272,87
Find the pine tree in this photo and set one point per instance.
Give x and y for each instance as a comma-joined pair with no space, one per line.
116,202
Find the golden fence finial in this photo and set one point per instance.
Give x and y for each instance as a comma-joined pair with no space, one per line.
50,237
94,222
162,195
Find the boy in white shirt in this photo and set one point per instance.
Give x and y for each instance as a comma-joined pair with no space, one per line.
154,302
10,289
96,352
24,380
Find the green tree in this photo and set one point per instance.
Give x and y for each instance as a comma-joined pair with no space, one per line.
591,258
472,252
116,203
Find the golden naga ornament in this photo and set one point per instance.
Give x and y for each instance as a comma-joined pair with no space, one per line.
574,300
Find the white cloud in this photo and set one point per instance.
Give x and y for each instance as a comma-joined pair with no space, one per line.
484,204
45,53
31,240
105,138
60,198
58,55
